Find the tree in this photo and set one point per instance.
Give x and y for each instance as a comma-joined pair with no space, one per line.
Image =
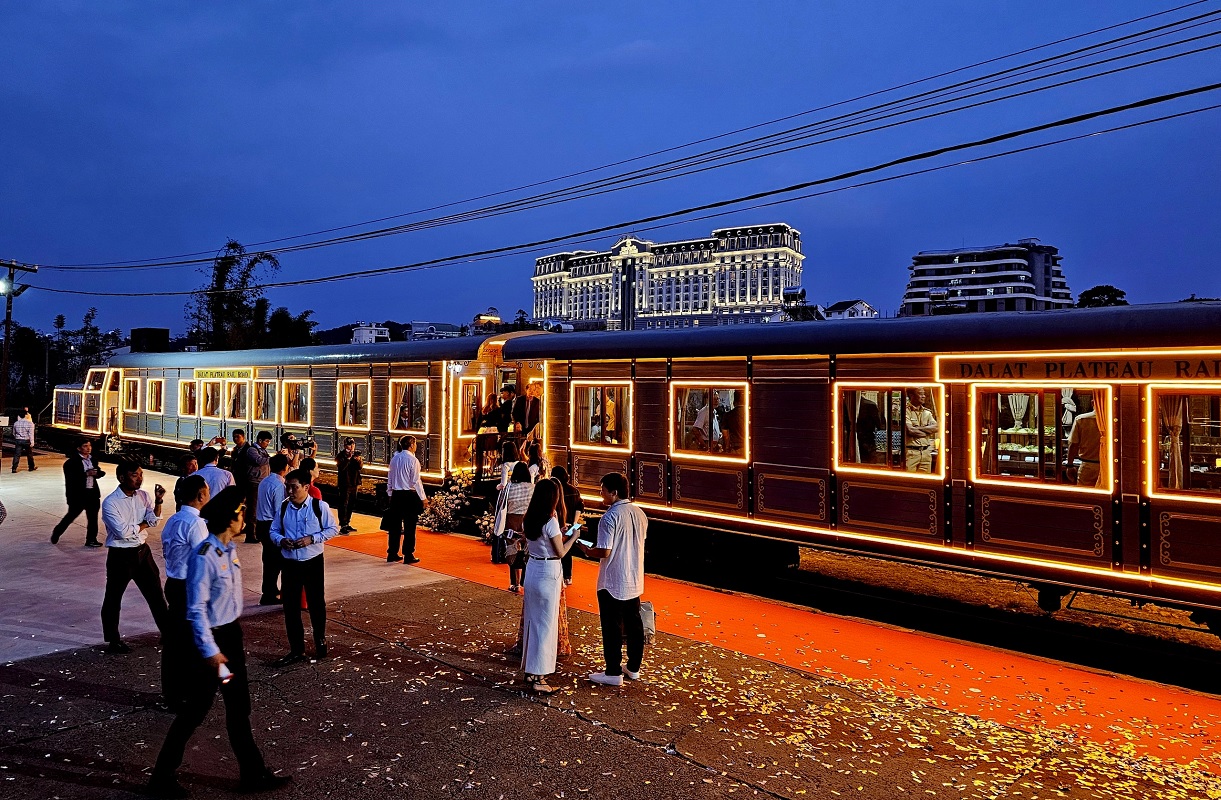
1100,296
285,330
226,311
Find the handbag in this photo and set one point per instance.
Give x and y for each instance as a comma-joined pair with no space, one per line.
498,550
502,515
648,620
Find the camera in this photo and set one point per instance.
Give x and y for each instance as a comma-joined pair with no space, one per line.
307,444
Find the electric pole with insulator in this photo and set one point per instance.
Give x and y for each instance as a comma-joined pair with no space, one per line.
10,289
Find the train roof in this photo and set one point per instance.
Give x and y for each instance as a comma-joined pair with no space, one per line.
1188,324
460,348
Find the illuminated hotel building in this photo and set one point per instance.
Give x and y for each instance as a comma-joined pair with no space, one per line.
1010,277
736,276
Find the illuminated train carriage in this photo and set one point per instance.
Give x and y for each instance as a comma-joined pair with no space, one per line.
374,393
816,433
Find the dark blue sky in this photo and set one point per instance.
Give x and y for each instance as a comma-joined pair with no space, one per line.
137,130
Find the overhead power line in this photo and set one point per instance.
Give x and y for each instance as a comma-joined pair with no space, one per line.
731,153
737,201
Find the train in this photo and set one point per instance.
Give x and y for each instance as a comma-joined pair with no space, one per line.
1070,450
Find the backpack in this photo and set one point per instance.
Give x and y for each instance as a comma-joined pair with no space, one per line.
317,512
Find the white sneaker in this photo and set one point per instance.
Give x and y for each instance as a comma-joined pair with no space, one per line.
631,676
606,680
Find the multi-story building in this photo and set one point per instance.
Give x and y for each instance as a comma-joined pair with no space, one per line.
735,276
1010,277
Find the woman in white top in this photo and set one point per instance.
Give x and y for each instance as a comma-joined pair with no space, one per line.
508,459
517,500
546,545
540,467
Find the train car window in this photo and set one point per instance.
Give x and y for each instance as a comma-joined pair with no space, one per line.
710,420
408,406
602,414
265,401
296,403
131,394
114,382
211,399
1188,458
96,380
68,408
237,400
891,428
1028,435
187,399
353,405
155,402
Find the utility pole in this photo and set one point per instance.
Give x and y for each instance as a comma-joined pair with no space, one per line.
10,289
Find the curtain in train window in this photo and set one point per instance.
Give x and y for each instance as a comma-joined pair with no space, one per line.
156,397
265,401
354,404
296,403
710,419
891,428
1188,441
408,409
1029,435
187,399
131,394
211,399
602,416
237,399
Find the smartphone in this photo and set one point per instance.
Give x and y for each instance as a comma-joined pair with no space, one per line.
576,526
585,543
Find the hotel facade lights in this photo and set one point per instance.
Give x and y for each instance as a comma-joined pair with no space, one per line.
1011,277
736,276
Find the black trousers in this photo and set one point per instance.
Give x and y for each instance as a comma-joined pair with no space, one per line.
252,502
621,619
203,683
347,504
295,576
178,653
90,505
272,560
124,565
28,448
403,519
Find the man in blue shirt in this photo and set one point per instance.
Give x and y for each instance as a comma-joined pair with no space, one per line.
214,603
270,498
299,528
180,538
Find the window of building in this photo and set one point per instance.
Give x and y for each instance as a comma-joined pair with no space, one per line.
891,428
155,402
131,394
1026,434
211,392
187,399
710,420
353,409
409,406
265,401
1188,436
296,410
602,415
237,400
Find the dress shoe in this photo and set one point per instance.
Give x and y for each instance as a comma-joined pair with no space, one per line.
118,647
33,468
287,661
392,559
270,600
92,543
319,650
55,536
410,560
167,788
267,782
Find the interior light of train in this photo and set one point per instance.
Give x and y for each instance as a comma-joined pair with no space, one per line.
943,429
1152,454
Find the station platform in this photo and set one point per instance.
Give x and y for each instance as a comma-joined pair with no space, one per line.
738,695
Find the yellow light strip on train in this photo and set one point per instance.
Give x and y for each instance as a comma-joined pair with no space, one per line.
482,380
883,471
1143,366
1151,452
1110,460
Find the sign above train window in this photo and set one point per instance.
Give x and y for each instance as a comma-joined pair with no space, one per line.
230,374
1178,365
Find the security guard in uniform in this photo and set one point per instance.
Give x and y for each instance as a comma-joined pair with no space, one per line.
214,603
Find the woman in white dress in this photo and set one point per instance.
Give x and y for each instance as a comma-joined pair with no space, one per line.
546,545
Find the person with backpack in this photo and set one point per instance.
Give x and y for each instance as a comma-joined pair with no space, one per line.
300,527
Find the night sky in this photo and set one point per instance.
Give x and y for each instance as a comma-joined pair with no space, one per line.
140,130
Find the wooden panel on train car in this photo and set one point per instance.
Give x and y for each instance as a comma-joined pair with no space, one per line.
555,409
616,370
785,493
651,415
875,368
1056,526
1185,542
791,368
888,507
588,468
650,478
790,423
712,486
699,369
652,368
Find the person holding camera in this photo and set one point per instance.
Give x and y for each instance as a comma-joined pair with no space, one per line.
299,528
296,449
347,467
128,514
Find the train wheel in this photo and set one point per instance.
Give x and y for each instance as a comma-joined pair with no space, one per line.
1051,598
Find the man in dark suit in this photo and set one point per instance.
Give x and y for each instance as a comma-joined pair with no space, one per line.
528,410
81,476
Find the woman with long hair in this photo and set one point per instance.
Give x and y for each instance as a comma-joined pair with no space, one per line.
546,545
540,467
574,508
517,501
508,460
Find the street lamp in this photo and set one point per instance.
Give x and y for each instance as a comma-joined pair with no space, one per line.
10,290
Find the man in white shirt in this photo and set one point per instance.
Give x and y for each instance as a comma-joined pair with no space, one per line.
216,478
23,441
620,554
270,497
407,501
182,535
128,513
